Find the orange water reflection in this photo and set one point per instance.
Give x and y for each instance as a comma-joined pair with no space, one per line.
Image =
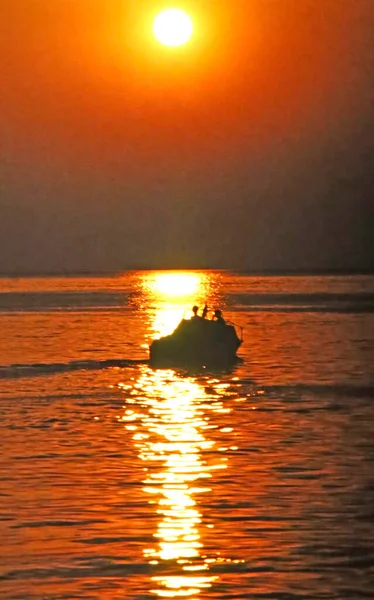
176,474
172,441
170,296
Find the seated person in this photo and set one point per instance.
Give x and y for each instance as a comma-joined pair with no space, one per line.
195,311
218,317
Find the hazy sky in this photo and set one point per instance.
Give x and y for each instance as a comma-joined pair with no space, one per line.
251,147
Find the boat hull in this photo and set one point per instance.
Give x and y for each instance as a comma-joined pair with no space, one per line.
197,342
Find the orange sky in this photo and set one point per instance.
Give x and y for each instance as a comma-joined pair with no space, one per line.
92,70
264,87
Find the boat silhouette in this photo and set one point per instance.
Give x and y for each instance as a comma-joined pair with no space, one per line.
197,341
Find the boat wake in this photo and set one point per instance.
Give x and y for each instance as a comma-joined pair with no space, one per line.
39,369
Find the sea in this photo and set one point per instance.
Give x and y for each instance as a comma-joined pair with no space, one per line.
120,481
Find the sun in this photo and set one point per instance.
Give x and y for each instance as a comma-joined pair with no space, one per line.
173,27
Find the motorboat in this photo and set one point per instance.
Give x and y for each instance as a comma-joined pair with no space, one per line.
197,341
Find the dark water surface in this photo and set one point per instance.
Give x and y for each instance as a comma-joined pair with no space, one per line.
122,482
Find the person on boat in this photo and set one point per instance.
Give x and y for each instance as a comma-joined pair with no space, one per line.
218,317
195,310
205,311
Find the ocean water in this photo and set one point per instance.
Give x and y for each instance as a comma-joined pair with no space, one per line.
118,481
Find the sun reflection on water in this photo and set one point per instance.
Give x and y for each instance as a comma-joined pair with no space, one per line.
176,284
178,461
172,294
169,417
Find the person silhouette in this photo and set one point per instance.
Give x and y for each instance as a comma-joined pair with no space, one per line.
218,317
195,311
205,311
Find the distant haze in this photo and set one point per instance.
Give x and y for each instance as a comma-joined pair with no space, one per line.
252,147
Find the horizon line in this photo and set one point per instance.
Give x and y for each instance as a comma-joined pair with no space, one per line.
244,271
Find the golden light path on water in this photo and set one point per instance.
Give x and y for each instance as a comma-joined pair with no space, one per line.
173,294
168,415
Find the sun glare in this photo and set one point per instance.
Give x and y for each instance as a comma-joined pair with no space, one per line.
173,27
174,294
177,284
